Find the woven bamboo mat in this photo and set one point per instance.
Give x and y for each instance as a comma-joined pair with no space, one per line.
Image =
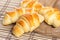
5,31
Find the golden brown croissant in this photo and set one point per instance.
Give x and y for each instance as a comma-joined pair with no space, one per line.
26,23
28,3
33,5
12,16
51,15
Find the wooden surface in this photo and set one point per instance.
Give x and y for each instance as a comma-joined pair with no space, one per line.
5,31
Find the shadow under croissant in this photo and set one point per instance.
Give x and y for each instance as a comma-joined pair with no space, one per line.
48,30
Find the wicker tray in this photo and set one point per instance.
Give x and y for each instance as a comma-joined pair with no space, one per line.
5,31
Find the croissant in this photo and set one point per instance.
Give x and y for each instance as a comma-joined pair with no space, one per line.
12,16
51,16
27,23
28,3
33,5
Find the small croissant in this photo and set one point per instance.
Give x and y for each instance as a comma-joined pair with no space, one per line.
51,16
26,23
28,3
12,16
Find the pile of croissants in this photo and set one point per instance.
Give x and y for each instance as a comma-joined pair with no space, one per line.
30,15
